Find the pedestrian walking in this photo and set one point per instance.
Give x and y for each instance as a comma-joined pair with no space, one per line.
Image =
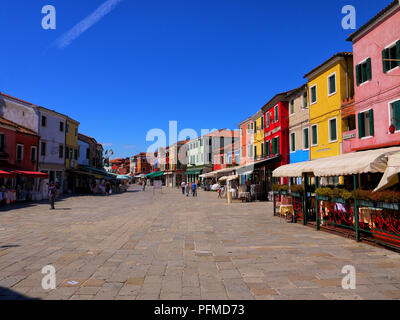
187,189
194,189
108,188
144,185
183,186
52,194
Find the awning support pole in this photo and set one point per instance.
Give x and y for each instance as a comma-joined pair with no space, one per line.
305,202
356,211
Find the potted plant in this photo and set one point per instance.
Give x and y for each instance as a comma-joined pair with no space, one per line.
297,190
323,193
363,197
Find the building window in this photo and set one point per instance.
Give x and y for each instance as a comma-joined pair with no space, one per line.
87,153
262,149
262,123
2,142
391,57
44,121
76,154
267,119
255,126
67,128
395,114
313,94
332,84
66,152
61,126
276,114
292,142
267,149
349,123
363,72
275,145
314,135
333,130
305,100
33,154
20,152
60,151
306,143
43,148
366,124
291,107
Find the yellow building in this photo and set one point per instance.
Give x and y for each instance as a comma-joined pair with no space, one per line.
258,134
71,144
329,84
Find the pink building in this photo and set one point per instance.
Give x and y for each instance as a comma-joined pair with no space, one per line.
372,120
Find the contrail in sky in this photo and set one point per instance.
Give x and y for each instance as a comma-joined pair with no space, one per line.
66,39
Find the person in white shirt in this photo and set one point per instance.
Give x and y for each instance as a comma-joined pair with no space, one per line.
183,186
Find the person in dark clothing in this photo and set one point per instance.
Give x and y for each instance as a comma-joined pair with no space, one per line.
52,194
108,188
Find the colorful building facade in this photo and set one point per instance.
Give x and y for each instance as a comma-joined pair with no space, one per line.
329,84
374,117
246,142
299,136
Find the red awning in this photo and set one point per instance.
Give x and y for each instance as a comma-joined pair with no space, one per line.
5,174
32,174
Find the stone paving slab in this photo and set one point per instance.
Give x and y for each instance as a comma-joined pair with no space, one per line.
140,245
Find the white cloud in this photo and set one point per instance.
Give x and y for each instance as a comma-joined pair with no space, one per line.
104,9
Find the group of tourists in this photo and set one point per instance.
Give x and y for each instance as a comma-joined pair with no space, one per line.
186,187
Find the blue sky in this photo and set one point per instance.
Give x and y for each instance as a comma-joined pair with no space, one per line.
206,64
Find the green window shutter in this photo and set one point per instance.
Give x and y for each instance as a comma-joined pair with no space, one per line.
358,74
274,146
398,52
314,135
371,122
268,149
369,69
333,136
277,146
306,142
361,126
396,115
262,149
385,63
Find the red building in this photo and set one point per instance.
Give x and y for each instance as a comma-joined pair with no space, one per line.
144,163
276,124
120,166
226,156
18,147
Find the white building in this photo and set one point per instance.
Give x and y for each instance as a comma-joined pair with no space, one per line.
52,126
84,153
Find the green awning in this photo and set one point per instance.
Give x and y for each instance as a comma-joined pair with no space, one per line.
155,174
194,171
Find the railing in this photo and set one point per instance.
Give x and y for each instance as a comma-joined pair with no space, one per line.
362,220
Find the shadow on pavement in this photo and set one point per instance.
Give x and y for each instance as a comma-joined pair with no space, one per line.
8,294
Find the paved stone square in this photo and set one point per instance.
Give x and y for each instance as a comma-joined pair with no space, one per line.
140,245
